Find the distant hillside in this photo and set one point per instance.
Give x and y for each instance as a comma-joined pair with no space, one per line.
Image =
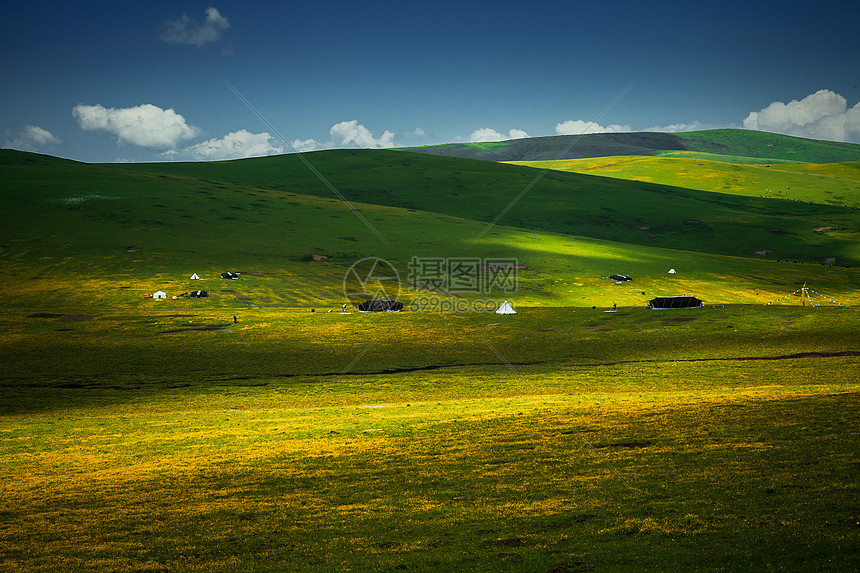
573,204
763,145
542,148
104,234
727,142
825,183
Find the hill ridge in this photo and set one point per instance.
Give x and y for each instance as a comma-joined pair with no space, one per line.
748,143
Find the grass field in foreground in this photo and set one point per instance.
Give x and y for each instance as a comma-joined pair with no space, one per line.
552,440
603,478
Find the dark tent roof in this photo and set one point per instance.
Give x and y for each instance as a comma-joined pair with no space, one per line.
198,294
229,275
620,277
662,302
380,305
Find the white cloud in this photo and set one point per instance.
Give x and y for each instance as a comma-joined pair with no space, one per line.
577,126
488,134
235,145
39,136
305,145
485,134
32,138
353,133
187,31
822,115
677,127
145,125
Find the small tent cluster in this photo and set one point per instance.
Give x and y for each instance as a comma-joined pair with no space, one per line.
230,275
380,306
161,295
667,302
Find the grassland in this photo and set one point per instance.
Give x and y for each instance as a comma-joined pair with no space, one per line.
242,211
141,435
558,439
830,183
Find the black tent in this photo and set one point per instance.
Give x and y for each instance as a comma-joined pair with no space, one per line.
663,302
229,275
620,278
380,305
198,294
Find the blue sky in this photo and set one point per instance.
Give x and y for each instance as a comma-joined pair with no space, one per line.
96,82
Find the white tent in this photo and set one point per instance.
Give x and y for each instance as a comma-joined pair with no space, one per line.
194,277
159,294
671,271
506,308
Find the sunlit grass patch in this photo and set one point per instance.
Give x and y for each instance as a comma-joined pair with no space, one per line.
833,183
530,477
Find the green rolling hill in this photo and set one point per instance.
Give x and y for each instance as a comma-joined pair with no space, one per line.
727,142
86,234
597,207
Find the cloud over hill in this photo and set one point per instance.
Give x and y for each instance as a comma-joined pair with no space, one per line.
236,145
488,134
146,125
578,126
32,138
350,133
822,115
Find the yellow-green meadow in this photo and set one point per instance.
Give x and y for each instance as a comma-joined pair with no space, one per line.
270,426
718,439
